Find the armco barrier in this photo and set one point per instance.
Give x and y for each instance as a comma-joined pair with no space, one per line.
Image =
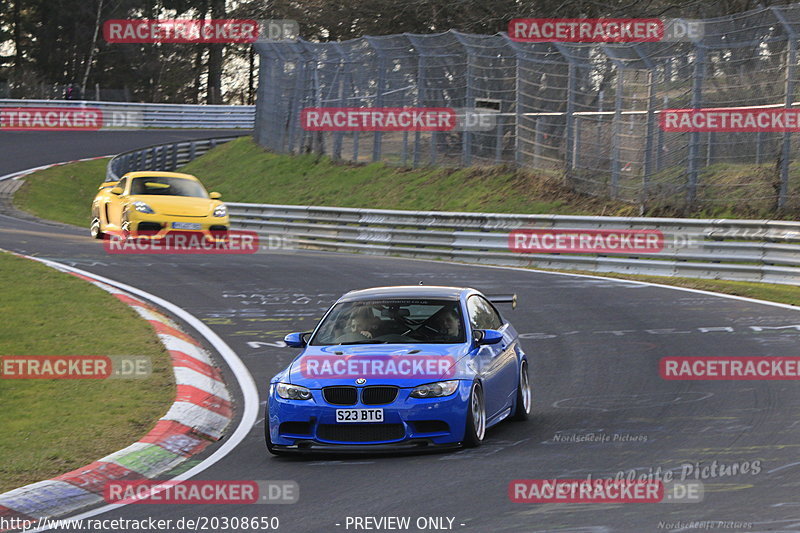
161,157
744,250
124,114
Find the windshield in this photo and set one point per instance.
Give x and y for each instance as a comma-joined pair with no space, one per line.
392,322
167,186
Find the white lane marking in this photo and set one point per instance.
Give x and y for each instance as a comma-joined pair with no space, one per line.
246,382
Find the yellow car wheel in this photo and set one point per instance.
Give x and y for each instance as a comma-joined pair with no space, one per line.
94,229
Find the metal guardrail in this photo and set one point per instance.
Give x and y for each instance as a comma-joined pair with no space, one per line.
158,115
165,157
743,250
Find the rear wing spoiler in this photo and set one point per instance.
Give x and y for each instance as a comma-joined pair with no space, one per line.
504,299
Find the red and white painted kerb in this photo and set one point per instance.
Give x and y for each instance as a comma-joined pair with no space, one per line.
198,417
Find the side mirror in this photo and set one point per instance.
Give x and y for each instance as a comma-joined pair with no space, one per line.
487,336
296,340
215,196
117,191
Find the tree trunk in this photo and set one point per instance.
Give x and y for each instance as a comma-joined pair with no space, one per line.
17,37
214,95
90,59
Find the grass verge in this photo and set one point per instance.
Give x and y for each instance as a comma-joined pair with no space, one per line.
54,426
63,193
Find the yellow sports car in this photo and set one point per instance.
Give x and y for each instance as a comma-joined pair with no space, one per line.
156,203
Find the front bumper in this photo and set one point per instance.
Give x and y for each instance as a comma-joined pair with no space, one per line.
409,423
157,226
411,446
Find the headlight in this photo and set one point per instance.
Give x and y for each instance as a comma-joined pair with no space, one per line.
292,392
142,207
221,211
435,390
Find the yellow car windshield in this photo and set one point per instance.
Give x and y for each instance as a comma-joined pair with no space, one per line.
167,186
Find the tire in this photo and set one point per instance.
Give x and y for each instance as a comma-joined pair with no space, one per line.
522,405
475,430
125,230
94,229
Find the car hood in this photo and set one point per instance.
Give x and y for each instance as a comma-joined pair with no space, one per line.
403,365
188,206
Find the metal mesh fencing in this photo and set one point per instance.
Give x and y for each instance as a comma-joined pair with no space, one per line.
587,114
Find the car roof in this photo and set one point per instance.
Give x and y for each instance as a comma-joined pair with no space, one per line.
159,174
405,291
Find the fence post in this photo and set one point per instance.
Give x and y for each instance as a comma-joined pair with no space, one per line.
518,109
469,102
264,81
570,118
293,115
616,133
420,103
538,137
650,125
661,142
498,147
694,137
759,147
791,72
338,136
576,144
376,144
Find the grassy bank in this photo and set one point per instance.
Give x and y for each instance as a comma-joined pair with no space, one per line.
63,193
54,426
243,172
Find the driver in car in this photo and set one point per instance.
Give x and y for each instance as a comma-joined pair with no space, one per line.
358,326
450,325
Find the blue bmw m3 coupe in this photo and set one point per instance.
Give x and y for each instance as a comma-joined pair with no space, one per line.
397,368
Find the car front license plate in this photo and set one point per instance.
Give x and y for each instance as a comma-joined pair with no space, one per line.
186,225
359,415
